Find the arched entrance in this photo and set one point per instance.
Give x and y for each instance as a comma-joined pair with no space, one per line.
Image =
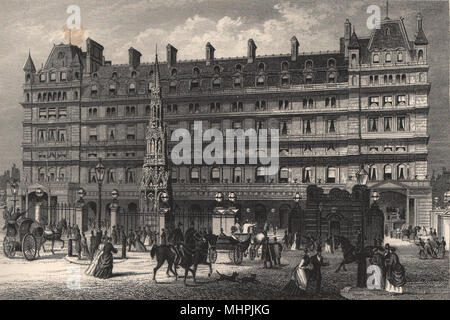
260,215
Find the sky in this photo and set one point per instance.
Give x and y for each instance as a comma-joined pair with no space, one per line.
35,25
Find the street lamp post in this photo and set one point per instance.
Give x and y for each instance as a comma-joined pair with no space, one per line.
319,222
99,175
219,199
361,177
14,191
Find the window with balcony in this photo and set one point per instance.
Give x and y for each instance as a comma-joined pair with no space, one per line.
306,175
284,80
260,81
331,175
373,124
260,105
283,175
283,105
51,113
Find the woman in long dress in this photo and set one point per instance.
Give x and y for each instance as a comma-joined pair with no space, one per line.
395,273
294,242
104,266
299,279
95,260
139,246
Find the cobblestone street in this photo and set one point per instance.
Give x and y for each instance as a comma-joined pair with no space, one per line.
50,278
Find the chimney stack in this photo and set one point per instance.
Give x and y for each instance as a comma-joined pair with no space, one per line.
134,58
294,48
171,55
209,53
251,52
347,35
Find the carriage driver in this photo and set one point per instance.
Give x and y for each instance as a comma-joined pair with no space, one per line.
12,217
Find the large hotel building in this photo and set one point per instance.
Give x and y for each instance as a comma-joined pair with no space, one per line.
363,104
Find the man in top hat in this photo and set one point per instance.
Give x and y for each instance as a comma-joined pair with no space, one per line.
316,273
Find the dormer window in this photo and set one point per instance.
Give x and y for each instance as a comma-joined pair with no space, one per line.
308,79
216,70
387,57
237,82
308,64
331,63
95,75
133,74
174,72
94,89
42,77
63,76
261,67
114,75
284,80
400,56
376,58
387,31
238,68
196,72
331,78
216,83
285,66
53,76
260,81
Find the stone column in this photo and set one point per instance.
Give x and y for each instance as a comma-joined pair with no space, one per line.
80,206
114,208
217,220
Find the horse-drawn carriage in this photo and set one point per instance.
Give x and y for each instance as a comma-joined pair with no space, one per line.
236,246
24,235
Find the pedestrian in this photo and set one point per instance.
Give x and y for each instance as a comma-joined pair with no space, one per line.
123,238
442,247
84,245
104,268
316,274
266,254
285,240
163,237
98,238
131,237
299,278
92,242
395,273
77,239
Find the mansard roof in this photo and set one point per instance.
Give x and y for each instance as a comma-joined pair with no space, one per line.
391,35
64,55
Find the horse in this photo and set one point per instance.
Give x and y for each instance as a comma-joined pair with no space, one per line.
350,254
165,253
55,235
192,257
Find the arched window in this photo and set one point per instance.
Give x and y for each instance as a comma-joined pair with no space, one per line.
284,175
196,72
387,57
306,175
111,177
420,55
331,63
217,70
333,102
260,175
284,66
354,62
308,64
310,103
238,68
261,67
331,175
237,175
403,78
130,175
373,173
132,88
387,172
331,78
62,174
400,56
354,80
28,78
41,175
421,77
237,82
216,83
173,73
376,58
402,172
215,175
308,79
114,75
133,74
195,175
260,81
94,89
371,80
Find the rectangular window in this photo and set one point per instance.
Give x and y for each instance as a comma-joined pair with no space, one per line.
387,124
131,133
52,113
374,101
63,76
401,123
62,113
52,135
62,135
331,126
307,126
401,100
387,101
92,134
52,76
41,136
373,124
42,113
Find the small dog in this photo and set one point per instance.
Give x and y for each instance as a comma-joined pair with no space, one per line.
232,278
251,279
